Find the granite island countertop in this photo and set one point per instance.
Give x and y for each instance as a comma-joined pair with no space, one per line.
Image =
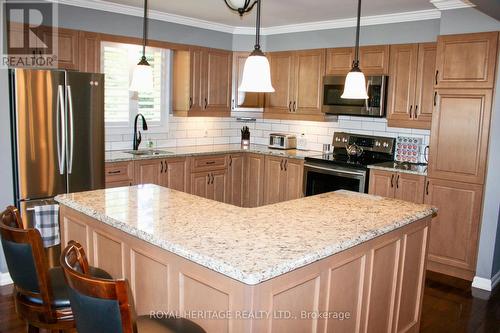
250,245
416,169
121,156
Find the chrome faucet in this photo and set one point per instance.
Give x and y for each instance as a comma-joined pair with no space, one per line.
137,134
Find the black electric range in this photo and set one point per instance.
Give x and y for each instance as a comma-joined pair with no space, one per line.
337,170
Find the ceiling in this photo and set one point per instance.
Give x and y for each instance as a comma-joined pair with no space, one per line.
279,12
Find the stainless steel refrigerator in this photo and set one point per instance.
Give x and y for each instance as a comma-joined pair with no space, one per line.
57,120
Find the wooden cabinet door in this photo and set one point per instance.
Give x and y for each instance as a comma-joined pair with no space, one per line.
217,81
254,183
459,135
454,232
382,183
466,61
339,60
403,74
175,173
196,102
282,70
200,183
90,52
243,99
374,60
294,170
148,172
424,97
236,175
17,37
67,47
274,180
410,187
308,81
218,185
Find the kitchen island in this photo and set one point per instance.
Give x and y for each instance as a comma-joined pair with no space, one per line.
340,261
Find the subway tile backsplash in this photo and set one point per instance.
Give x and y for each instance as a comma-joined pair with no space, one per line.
206,131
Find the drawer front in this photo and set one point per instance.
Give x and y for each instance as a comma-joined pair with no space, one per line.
119,171
208,163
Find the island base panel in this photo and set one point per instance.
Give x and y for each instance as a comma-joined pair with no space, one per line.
376,286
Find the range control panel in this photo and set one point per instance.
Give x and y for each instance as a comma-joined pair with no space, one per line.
369,143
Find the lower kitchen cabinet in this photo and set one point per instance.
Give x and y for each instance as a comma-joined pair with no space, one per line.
210,185
455,229
119,174
235,180
150,172
402,186
254,180
283,179
175,174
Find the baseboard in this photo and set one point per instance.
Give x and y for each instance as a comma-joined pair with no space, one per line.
5,279
486,284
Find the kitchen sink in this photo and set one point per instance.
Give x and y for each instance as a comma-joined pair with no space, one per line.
148,152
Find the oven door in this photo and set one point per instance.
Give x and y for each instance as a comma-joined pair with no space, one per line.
321,179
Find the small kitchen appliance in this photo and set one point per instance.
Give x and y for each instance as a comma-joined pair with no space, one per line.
282,141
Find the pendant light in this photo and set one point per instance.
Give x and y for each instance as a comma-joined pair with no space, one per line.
355,83
256,73
240,6
142,79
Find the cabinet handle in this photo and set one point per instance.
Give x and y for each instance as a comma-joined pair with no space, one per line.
437,73
230,160
290,106
294,106
427,188
411,114
190,102
213,178
435,95
392,180
286,165
281,165
206,103
415,115
116,172
166,166
210,162
161,162
397,182
208,179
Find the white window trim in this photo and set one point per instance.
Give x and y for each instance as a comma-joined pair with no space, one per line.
166,105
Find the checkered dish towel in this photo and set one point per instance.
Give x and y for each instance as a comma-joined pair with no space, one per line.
47,222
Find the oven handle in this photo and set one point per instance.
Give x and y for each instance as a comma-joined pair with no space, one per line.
335,171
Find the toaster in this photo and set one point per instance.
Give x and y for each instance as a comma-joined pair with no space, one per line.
282,141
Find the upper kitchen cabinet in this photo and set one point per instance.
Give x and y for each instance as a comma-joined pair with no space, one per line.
459,135
67,46
373,60
411,85
202,82
297,78
466,61
90,52
243,99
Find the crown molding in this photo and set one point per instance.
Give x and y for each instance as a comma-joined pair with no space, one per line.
451,4
302,27
421,15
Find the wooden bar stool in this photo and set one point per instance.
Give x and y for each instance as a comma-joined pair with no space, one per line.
41,294
104,305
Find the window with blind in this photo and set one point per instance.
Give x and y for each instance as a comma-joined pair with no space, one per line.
122,105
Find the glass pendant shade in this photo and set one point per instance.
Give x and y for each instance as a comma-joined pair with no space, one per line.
237,3
256,74
355,85
142,79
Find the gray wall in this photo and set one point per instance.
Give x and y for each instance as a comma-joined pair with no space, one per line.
395,33
488,263
119,24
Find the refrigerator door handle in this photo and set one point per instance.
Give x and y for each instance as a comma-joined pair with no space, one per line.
71,129
61,129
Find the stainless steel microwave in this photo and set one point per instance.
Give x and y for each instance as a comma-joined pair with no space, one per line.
374,106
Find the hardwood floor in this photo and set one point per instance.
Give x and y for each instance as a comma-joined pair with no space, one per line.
449,306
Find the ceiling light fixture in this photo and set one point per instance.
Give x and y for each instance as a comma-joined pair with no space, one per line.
142,79
257,72
355,83
240,6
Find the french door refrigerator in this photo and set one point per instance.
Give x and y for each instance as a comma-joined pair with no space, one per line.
57,120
